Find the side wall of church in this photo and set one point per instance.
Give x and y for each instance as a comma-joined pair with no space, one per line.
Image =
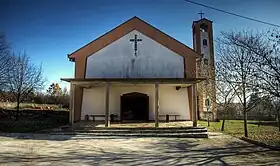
171,101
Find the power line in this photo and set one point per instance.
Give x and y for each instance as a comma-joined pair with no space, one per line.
230,13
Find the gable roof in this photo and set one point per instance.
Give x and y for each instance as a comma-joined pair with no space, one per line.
134,23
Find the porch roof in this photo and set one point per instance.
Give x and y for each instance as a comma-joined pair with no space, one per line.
135,80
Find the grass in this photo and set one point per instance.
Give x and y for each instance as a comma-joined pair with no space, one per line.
268,134
31,121
12,105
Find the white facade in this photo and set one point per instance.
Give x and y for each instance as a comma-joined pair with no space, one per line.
171,101
118,60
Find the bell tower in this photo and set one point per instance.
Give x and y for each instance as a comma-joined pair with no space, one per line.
203,44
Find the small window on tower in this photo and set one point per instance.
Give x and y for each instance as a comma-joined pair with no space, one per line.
205,42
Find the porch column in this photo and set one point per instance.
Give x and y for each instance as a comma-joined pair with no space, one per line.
194,103
107,104
72,104
156,105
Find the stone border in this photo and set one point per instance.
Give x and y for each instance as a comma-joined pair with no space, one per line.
260,143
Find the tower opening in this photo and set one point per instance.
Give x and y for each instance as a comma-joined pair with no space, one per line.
204,28
205,42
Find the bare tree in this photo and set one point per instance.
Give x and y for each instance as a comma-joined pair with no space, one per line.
271,61
5,62
225,92
266,49
239,70
23,79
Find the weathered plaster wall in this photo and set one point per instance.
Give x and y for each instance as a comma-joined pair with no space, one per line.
117,60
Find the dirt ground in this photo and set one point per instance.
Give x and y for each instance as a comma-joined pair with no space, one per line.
219,149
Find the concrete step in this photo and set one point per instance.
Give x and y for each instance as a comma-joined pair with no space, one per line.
129,128
185,132
90,132
141,131
173,135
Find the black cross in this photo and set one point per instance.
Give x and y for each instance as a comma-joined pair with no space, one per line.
135,40
201,14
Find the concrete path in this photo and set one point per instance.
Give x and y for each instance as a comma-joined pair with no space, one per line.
219,149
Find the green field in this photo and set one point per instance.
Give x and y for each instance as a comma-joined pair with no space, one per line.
31,120
268,134
28,106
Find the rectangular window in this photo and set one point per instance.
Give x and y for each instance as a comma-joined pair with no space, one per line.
205,42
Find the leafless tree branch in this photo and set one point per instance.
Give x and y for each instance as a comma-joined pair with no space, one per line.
5,62
24,78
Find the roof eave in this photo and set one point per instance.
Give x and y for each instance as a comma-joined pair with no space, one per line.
135,80
71,59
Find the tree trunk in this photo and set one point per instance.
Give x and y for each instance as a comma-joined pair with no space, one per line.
278,116
245,123
244,104
224,119
17,111
223,124
208,119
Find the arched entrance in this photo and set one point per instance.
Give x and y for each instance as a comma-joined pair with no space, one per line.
135,106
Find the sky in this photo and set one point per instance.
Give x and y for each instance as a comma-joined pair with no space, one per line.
48,30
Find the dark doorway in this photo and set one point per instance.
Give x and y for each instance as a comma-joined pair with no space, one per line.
135,107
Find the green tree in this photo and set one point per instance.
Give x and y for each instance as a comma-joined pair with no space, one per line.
54,90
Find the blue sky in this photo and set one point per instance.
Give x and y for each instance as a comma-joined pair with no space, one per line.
49,30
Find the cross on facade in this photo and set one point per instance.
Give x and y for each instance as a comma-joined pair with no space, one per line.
135,40
201,14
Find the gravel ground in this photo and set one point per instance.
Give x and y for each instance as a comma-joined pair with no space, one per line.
219,149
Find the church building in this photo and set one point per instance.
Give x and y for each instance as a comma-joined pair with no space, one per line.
135,72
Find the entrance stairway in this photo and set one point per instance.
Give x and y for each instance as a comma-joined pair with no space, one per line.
175,132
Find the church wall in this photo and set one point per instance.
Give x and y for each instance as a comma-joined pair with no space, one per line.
205,48
118,60
174,102
171,101
93,102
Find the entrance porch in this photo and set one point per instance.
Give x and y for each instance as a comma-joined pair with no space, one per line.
133,99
